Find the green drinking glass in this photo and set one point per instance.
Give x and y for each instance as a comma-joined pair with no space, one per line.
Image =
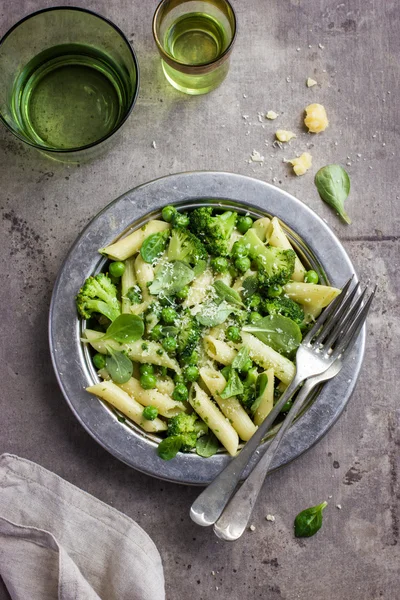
195,39
69,79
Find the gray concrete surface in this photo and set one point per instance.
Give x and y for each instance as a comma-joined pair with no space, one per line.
44,206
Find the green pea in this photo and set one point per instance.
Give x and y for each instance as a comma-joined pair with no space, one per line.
255,301
169,344
148,381
180,393
99,361
169,315
168,213
146,369
191,373
254,317
183,293
274,291
247,366
233,333
116,269
219,264
287,406
311,277
192,359
242,264
178,378
150,413
180,220
156,333
239,250
244,224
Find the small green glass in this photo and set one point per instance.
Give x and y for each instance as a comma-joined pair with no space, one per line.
68,81
195,39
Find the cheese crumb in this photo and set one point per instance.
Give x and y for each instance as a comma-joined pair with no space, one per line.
316,118
256,157
271,115
310,82
154,144
321,46
302,163
270,518
284,136
252,527
339,506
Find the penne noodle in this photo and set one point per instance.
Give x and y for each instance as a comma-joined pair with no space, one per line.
113,394
144,275
261,227
214,418
199,289
267,399
312,296
166,406
268,358
128,280
165,386
278,238
129,245
230,407
219,350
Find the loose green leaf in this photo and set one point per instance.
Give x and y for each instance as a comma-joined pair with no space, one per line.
224,292
207,445
280,333
250,287
119,366
171,278
261,384
241,358
333,185
199,267
169,447
226,371
309,521
213,314
125,328
234,386
153,246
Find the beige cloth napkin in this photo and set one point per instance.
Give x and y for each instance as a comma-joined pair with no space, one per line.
57,542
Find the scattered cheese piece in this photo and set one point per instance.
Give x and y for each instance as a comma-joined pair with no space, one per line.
256,157
271,115
252,528
284,136
270,518
302,163
316,119
310,82
154,145
339,506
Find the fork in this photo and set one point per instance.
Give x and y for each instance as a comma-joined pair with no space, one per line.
314,356
236,515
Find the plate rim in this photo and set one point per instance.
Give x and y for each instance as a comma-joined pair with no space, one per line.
187,468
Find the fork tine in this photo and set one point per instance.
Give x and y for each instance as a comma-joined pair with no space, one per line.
350,337
329,310
344,323
338,317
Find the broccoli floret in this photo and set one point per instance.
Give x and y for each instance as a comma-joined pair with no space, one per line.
213,231
275,265
186,247
188,337
188,427
286,307
98,295
248,396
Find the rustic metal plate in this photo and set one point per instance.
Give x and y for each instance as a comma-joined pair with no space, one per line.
313,240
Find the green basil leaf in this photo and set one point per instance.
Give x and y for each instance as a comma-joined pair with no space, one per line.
119,366
234,386
250,287
153,246
171,278
241,358
169,447
199,267
261,384
333,185
213,314
226,371
280,333
309,521
207,445
224,292
125,328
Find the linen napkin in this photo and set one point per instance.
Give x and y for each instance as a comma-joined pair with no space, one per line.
58,542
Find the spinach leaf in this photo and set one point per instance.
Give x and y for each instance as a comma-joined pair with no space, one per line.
171,278
280,333
333,185
241,358
224,292
207,445
213,314
250,286
199,267
234,386
153,246
119,366
309,521
169,447
125,328
225,371
261,384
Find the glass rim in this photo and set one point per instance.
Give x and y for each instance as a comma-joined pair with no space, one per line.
192,69
134,96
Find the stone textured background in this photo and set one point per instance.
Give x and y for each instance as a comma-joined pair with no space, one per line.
44,206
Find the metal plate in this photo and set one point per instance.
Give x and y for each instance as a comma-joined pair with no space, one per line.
73,368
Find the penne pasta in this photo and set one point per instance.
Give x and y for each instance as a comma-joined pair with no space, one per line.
261,227
165,386
278,238
129,245
113,394
128,280
144,275
166,406
268,358
267,399
199,289
219,350
230,407
312,296
214,418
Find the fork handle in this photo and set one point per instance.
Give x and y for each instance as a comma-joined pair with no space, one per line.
236,516
207,508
